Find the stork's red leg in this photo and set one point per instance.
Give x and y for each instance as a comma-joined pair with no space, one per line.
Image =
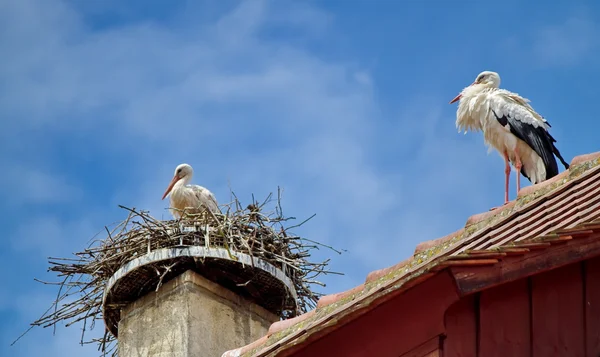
507,176
518,166
506,179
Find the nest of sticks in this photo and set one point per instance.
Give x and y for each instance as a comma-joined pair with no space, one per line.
254,230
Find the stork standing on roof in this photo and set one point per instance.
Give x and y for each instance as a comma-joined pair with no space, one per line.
511,126
191,198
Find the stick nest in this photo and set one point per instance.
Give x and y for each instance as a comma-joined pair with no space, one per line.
250,230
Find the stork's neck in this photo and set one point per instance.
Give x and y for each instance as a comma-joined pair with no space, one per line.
182,182
475,89
468,113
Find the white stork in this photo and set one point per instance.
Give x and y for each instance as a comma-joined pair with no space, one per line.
511,126
192,198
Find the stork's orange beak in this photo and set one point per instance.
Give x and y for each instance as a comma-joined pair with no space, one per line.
173,181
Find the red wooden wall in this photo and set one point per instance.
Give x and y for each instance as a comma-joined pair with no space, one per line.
556,313
394,328
553,314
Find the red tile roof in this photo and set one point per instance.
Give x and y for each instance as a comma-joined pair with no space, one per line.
550,212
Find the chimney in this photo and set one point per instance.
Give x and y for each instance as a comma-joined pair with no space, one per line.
213,300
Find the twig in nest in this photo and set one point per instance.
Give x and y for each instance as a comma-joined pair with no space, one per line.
167,270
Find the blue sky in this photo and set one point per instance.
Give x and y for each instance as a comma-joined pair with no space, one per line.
342,103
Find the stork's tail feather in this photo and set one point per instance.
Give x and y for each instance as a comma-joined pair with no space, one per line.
557,153
525,174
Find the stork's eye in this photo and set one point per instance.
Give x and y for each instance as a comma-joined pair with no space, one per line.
179,171
480,78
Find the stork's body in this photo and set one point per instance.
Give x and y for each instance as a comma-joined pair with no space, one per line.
511,126
191,198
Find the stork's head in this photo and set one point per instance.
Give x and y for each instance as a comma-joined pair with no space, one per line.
182,172
485,79
488,78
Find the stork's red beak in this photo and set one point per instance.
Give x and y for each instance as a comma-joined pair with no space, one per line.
456,98
173,181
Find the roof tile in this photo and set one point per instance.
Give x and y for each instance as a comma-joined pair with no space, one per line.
578,160
282,325
240,351
531,189
476,218
431,243
330,299
377,274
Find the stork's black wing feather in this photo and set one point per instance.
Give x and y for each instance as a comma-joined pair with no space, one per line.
537,138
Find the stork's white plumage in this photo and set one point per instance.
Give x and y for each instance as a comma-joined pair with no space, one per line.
511,126
191,198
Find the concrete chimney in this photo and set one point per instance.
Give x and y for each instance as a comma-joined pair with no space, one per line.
211,301
190,316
